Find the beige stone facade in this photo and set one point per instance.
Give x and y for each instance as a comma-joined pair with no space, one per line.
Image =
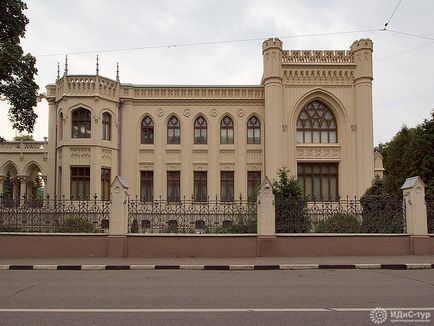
315,117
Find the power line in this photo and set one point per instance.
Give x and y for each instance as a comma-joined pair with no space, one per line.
412,35
404,52
169,46
393,13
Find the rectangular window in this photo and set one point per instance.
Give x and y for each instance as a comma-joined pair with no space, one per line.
253,183
227,185
200,184
147,186
80,183
173,186
105,184
318,181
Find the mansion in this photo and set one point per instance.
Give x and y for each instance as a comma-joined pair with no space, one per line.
311,113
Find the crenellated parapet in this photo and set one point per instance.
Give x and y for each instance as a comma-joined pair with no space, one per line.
324,57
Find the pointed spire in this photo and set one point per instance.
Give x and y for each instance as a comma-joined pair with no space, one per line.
117,71
66,66
97,65
58,71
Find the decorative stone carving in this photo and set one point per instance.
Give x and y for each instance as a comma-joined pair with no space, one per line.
80,155
240,112
318,153
227,167
146,166
106,157
200,167
173,166
213,113
187,112
160,113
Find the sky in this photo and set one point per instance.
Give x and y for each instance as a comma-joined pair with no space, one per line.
403,85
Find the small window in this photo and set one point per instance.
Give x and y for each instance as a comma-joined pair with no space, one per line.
316,124
106,126
80,183
173,131
318,181
147,130
146,186
227,186
173,186
105,183
200,185
200,129
81,123
226,131
253,183
253,131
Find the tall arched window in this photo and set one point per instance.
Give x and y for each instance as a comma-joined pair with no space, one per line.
60,126
81,123
173,131
316,124
226,131
147,130
200,128
253,131
106,126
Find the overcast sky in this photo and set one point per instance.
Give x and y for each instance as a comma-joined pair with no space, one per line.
403,86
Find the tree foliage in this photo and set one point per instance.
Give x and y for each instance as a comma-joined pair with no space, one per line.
291,206
410,153
17,70
28,137
381,212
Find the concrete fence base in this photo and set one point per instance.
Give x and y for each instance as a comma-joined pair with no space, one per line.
211,246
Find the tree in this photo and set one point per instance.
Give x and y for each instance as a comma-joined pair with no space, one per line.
409,153
17,70
381,212
28,137
291,207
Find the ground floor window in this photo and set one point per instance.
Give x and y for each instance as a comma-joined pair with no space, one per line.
227,185
253,183
147,186
173,185
105,183
200,185
80,183
318,180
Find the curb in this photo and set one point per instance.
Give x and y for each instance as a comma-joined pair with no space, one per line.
51,267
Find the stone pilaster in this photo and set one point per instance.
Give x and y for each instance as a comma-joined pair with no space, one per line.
362,54
272,80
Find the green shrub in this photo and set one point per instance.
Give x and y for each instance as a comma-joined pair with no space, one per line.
76,225
339,223
291,207
10,228
135,226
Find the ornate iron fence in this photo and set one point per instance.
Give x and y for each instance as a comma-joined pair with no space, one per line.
54,215
189,216
349,215
430,215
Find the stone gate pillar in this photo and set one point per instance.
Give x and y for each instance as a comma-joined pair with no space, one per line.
413,191
266,243
117,241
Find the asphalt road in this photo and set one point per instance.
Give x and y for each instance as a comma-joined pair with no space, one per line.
313,297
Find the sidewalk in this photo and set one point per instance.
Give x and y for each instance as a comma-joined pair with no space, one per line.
254,263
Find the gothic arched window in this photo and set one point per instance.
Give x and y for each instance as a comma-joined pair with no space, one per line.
173,131
226,131
316,124
253,131
106,126
147,131
200,129
81,123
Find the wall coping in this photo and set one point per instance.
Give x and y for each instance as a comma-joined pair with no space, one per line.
342,234
228,235
52,234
